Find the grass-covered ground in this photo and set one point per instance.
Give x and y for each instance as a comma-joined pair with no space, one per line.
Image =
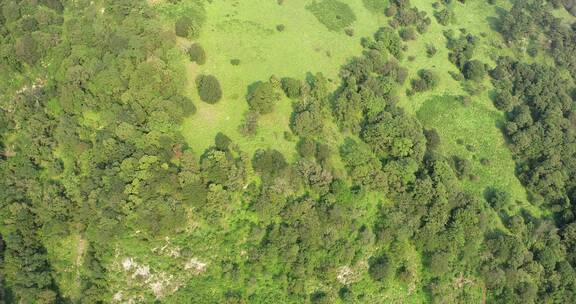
247,31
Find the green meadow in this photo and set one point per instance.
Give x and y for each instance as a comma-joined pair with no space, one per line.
246,30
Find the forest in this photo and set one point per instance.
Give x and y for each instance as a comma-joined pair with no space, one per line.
287,151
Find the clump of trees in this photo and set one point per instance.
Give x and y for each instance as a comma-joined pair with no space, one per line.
406,16
208,88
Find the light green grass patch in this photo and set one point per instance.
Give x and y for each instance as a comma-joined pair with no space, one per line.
65,258
376,6
334,14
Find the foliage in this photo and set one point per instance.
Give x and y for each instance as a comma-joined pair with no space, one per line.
208,88
427,80
262,98
197,54
474,70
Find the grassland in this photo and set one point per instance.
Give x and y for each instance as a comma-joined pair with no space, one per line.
247,31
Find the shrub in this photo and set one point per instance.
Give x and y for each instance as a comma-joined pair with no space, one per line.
197,54
474,70
208,88
445,17
280,27
408,34
428,80
504,101
186,27
499,199
235,62
390,11
26,50
268,162
262,98
432,139
380,268
249,125
307,147
182,27
188,107
222,141
462,166
431,50
292,87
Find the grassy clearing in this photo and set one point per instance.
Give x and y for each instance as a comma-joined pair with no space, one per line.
247,31
471,132
64,255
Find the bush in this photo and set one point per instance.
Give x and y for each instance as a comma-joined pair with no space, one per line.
235,62
183,25
262,98
408,34
26,50
249,125
499,199
197,54
474,70
280,27
390,11
292,87
432,139
462,166
428,80
307,148
208,88
380,268
504,101
445,17
268,162
186,27
431,50
222,142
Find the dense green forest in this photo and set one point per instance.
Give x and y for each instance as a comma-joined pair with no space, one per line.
287,151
